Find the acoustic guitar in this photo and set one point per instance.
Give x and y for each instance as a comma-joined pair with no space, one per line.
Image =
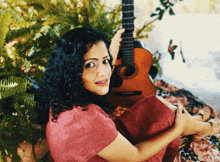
130,80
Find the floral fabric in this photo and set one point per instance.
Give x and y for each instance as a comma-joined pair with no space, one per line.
208,150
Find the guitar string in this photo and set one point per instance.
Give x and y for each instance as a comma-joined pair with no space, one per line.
127,43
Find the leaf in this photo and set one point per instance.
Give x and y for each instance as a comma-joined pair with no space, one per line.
26,63
12,85
27,99
171,41
153,14
161,14
166,5
171,11
172,55
158,9
174,47
4,23
171,4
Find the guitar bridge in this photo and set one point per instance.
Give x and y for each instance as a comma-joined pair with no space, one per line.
128,93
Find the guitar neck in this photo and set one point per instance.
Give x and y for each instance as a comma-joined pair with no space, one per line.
127,45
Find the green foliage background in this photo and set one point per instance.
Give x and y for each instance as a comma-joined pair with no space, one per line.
29,30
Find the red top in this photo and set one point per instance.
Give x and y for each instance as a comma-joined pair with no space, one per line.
77,136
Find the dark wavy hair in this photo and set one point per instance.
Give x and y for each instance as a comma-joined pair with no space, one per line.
62,87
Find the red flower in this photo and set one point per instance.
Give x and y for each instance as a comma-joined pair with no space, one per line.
171,49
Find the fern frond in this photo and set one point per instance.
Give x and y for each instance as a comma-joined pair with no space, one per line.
26,63
43,31
54,20
4,52
60,29
17,33
27,99
23,24
4,23
12,85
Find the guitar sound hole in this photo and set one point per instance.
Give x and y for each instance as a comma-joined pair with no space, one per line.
127,70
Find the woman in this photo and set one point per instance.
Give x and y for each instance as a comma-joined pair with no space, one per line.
73,93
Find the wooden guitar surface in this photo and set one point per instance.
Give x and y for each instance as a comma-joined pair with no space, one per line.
139,83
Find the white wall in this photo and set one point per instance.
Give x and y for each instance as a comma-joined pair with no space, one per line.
199,35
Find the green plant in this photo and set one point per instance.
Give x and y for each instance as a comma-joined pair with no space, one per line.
17,103
1,160
156,58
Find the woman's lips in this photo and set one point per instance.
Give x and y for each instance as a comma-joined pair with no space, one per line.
102,82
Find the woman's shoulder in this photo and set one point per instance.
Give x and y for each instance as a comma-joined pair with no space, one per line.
79,114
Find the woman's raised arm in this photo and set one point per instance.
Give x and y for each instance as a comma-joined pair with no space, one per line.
115,44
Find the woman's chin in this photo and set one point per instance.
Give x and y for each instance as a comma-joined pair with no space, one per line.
102,93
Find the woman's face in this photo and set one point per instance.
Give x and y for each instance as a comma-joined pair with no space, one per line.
97,70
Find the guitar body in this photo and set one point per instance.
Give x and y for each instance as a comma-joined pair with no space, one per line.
135,87
141,81
130,77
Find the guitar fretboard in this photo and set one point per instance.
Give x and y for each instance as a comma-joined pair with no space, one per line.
128,40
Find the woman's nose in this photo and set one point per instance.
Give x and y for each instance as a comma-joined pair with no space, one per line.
101,70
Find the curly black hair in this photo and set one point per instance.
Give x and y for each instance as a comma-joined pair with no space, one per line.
62,87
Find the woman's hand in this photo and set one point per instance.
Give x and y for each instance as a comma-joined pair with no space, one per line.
182,118
115,44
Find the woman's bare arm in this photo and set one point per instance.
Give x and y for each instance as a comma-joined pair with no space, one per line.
121,150
115,44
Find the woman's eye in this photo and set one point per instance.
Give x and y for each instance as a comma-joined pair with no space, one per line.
90,65
106,61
